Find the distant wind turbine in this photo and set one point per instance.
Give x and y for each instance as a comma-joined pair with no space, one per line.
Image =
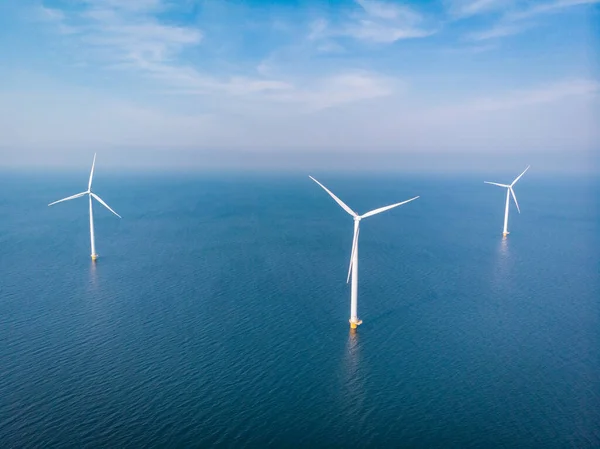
509,191
353,268
97,198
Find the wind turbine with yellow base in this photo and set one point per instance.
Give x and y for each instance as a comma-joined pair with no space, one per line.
353,268
97,198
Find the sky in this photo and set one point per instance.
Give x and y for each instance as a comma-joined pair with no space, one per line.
417,85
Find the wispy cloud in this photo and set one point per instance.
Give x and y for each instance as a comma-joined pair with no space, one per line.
132,33
534,96
330,47
383,22
130,36
55,17
220,73
515,20
317,29
472,49
547,8
467,8
129,6
374,21
50,14
341,89
498,31
389,11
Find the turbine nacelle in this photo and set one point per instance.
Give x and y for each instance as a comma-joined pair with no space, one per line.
357,218
510,187
88,192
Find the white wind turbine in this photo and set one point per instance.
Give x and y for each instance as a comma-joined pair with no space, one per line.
97,198
509,191
353,268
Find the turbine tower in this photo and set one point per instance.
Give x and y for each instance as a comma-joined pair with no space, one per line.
509,191
353,268
97,198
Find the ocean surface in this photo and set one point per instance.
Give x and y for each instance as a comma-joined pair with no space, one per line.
217,313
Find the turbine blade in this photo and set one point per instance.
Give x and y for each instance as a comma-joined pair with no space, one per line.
337,200
515,198
92,173
104,204
519,177
72,197
383,209
354,243
496,184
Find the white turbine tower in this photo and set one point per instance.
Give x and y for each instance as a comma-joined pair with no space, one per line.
353,268
97,198
509,191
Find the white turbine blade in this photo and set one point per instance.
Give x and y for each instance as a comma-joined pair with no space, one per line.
496,184
104,204
92,173
337,200
519,177
383,209
514,198
72,197
354,243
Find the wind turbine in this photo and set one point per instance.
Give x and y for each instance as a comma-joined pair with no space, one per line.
97,198
353,268
509,191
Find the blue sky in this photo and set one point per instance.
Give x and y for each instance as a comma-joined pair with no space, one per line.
481,78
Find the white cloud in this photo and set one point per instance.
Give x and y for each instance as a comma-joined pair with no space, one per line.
541,95
375,21
129,5
297,95
497,31
384,22
130,37
300,97
467,8
389,11
55,17
377,32
341,89
514,20
317,29
472,49
548,7
558,115
50,14
330,47
127,36
133,34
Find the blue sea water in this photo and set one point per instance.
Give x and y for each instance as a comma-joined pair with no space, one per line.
217,313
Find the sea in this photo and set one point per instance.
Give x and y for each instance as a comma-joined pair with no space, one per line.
217,312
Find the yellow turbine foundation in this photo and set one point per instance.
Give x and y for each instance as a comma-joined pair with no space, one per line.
94,257
355,324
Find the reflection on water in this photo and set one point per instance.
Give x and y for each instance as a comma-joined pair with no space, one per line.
503,250
93,274
353,386
352,348
501,265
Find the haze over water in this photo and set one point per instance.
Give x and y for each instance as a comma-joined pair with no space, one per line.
217,313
